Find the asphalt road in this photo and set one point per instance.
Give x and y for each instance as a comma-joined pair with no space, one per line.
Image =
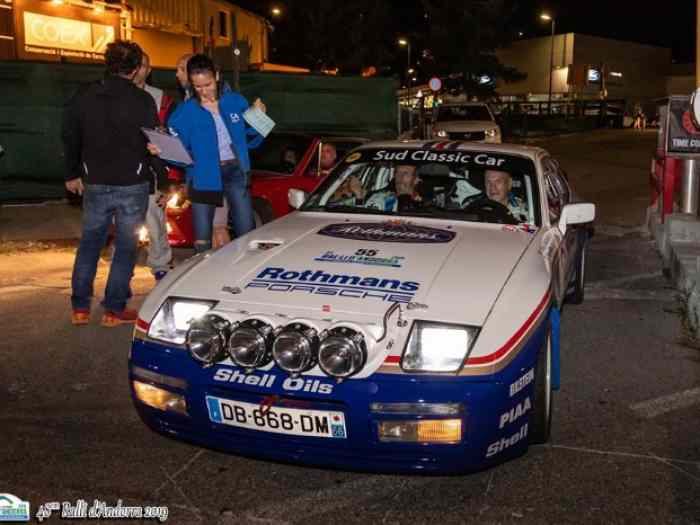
622,450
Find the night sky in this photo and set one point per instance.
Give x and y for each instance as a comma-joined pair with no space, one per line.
668,24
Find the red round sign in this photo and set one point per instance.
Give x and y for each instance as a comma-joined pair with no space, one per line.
435,84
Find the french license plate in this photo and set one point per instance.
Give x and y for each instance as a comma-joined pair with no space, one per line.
280,420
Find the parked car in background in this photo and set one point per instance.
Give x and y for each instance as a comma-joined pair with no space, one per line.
283,161
473,121
411,325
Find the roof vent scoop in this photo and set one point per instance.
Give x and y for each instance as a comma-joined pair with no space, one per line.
261,245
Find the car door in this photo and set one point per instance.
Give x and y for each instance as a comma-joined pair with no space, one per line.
559,195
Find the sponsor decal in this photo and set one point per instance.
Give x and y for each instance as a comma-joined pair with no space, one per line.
515,413
506,442
353,157
235,117
522,382
291,384
480,159
528,228
361,256
335,284
13,509
387,232
509,228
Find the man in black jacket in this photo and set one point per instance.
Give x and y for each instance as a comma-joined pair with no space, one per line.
107,162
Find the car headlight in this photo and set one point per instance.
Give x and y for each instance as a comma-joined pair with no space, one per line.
250,344
174,316
441,133
207,338
295,347
342,353
437,347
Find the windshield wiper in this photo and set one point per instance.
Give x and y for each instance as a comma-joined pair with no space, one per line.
344,208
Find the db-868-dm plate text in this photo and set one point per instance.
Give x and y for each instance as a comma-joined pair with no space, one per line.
280,420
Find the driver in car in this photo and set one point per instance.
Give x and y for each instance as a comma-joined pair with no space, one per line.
402,188
498,186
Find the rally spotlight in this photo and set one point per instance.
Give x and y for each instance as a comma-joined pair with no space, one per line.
295,348
206,339
342,353
250,344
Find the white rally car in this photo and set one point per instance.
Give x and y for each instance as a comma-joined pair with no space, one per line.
405,318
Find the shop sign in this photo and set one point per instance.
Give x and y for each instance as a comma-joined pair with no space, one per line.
63,32
682,137
54,34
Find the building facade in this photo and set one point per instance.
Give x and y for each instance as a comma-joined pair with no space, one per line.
78,31
586,67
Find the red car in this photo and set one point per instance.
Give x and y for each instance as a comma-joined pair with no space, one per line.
283,161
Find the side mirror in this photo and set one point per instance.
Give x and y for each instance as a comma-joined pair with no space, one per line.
296,198
579,213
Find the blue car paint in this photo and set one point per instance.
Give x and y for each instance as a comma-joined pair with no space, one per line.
554,319
486,400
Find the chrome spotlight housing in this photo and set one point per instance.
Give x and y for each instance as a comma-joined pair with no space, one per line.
295,348
206,339
342,352
250,343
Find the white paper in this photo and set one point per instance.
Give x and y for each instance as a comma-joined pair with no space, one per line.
259,120
170,147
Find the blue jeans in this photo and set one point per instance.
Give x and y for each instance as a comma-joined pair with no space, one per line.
240,208
127,204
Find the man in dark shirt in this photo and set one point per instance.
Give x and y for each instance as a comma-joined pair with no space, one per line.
107,162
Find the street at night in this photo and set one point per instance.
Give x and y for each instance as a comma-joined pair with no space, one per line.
624,445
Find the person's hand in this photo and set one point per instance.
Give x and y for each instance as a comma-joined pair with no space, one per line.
356,187
259,104
153,149
75,186
161,199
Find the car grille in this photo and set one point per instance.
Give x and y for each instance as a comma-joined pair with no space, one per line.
474,135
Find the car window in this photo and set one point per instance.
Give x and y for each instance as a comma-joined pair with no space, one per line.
279,153
342,148
475,112
456,185
558,193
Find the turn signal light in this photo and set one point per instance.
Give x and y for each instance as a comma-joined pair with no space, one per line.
440,431
160,398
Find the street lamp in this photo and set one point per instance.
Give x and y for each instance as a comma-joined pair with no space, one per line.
406,42
549,18
276,11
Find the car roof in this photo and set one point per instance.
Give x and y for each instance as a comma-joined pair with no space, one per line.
531,152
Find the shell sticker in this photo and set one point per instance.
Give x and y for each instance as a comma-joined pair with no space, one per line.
353,157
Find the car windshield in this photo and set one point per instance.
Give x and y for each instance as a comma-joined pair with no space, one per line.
279,153
476,112
479,186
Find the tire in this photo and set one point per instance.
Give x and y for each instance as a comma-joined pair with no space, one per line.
541,418
262,211
578,284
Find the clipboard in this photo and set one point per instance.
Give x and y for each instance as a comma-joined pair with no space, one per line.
171,148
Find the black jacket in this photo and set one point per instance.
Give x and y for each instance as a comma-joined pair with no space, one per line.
102,134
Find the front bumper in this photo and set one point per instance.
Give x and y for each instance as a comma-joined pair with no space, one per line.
486,439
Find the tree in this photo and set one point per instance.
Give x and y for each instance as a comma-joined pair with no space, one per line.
463,39
324,34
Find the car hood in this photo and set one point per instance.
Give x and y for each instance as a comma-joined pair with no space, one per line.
466,125
355,267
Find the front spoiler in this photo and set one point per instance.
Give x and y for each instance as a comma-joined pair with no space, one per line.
492,430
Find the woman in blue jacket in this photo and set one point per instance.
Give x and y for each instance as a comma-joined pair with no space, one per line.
211,127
